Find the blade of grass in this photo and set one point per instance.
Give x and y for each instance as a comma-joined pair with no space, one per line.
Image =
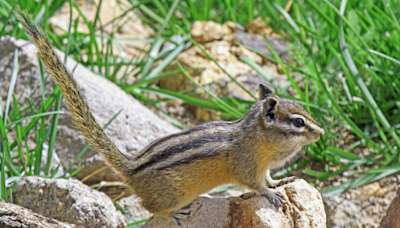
231,12
149,12
12,85
3,175
288,17
138,222
66,50
384,56
152,55
342,153
33,117
6,156
19,131
40,138
53,134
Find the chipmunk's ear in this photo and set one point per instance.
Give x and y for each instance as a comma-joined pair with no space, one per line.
270,108
265,91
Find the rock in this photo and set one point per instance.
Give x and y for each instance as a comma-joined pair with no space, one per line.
234,27
304,209
257,42
258,26
342,213
55,160
392,216
205,212
134,128
67,201
128,26
12,215
206,31
373,189
132,205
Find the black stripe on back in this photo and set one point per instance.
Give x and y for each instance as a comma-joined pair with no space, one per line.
187,132
163,155
194,158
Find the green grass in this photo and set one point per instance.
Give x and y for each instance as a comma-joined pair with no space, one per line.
345,53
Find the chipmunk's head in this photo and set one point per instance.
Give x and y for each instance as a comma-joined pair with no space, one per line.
290,123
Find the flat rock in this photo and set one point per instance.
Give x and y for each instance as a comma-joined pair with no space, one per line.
304,209
67,201
12,215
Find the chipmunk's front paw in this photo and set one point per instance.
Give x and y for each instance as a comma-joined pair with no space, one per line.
274,198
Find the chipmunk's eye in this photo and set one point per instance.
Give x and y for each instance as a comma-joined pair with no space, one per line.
298,122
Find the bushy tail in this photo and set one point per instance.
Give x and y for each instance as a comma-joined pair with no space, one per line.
77,105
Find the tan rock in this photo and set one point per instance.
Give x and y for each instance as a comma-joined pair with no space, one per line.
206,31
373,189
234,27
258,26
304,209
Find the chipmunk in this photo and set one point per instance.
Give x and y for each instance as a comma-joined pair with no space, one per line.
172,171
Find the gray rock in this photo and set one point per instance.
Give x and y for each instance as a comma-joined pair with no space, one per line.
12,215
132,205
342,213
134,128
67,201
257,42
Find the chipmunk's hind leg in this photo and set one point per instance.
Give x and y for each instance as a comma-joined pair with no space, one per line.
181,214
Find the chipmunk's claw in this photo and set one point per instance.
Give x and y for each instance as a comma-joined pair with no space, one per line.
275,198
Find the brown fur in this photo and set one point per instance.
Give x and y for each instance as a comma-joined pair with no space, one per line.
170,172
